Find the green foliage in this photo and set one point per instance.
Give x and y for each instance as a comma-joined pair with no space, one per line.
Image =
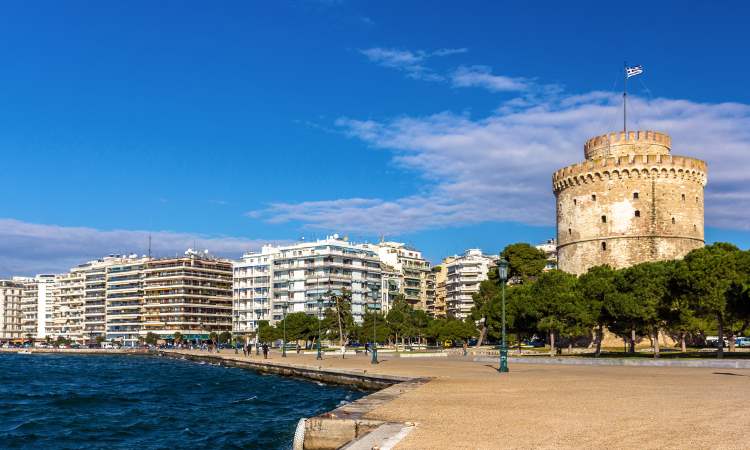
177,337
299,326
525,262
224,337
266,332
151,338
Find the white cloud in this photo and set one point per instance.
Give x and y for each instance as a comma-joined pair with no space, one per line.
410,62
499,167
30,248
481,76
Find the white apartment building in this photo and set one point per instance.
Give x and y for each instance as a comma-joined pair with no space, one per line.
124,301
464,274
37,305
550,250
11,293
298,275
413,276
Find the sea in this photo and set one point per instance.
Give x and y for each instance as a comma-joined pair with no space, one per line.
53,401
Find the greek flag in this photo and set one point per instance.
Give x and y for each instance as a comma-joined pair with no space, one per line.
633,71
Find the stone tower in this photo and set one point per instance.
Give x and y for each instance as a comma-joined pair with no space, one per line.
629,202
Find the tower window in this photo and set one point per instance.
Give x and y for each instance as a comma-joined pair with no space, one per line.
695,227
575,202
604,219
637,213
604,246
635,196
673,221
593,197
570,232
683,197
696,199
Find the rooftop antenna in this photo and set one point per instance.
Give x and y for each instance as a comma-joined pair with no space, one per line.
149,245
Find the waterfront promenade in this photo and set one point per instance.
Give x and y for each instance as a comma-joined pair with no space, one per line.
468,405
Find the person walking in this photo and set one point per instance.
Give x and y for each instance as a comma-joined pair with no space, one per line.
265,351
466,349
244,349
298,348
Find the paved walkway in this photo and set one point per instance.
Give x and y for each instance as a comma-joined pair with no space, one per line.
468,405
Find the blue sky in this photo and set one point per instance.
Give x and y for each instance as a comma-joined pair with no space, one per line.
237,123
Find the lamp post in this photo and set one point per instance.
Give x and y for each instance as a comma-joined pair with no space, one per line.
283,345
257,332
374,348
320,311
502,272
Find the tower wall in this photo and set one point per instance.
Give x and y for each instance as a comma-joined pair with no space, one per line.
628,208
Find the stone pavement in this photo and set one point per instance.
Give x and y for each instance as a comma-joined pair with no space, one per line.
469,405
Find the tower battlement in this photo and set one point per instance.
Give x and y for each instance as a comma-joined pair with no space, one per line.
632,142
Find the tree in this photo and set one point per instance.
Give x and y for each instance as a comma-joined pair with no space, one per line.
596,286
398,318
646,286
213,337
338,319
558,303
100,339
365,333
484,301
299,326
177,336
705,277
522,315
151,338
525,262
224,337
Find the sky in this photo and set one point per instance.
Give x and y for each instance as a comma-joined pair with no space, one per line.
227,125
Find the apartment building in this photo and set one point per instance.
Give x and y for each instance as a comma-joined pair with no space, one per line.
416,281
464,274
37,305
11,293
297,276
67,310
550,250
191,294
439,307
124,301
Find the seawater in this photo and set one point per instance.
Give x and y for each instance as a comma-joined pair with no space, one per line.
146,402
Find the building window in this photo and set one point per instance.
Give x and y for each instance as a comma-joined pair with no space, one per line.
570,232
696,199
575,202
695,227
604,246
683,197
673,221
604,219
593,197
635,196
637,213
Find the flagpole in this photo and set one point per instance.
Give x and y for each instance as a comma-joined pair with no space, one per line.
625,98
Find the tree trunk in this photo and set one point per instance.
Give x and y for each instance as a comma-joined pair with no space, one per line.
599,337
656,343
683,347
570,347
592,342
482,333
720,343
730,338
632,341
552,344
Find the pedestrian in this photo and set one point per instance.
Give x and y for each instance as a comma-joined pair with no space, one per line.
367,348
298,348
265,351
466,347
249,349
244,350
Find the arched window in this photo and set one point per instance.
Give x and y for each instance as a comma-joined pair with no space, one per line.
637,213
575,202
593,197
604,246
635,196
683,197
673,222
604,219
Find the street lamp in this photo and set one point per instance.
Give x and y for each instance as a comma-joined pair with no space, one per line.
374,348
502,272
257,332
283,345
320,312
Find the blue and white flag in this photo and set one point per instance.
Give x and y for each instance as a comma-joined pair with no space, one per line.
633,71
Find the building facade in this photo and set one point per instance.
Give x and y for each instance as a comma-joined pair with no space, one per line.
296,276
630,201
191,294
463,275
550,251
124,301
37,305
415,279
11,293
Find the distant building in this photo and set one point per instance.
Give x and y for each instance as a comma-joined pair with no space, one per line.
416,281
550,250
298,275
124,301
464,274
37,305
11,293
439,308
